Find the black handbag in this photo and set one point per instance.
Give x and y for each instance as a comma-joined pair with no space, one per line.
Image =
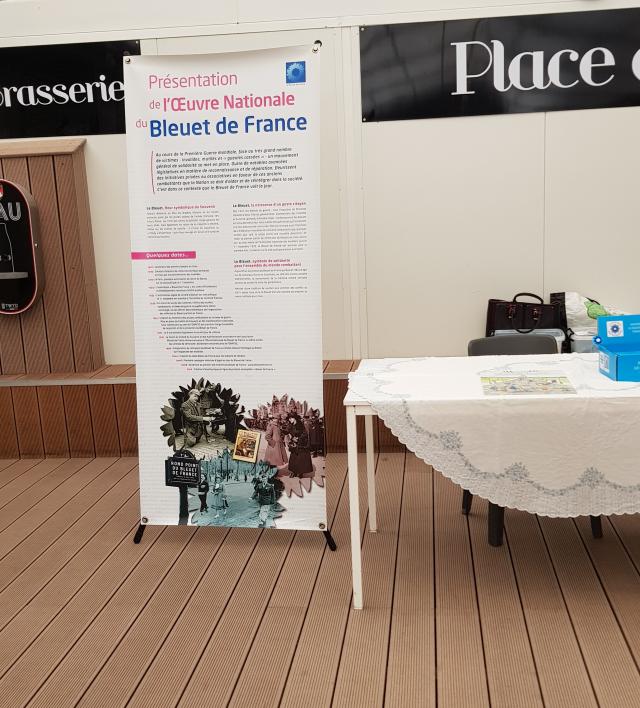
523,316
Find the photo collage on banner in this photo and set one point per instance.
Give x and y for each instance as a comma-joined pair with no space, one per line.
224,183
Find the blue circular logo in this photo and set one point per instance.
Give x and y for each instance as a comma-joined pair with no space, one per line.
295,72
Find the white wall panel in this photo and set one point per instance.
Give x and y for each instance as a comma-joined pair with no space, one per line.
44,21
336,342
372,10
35,17
453,215
593,210
106,161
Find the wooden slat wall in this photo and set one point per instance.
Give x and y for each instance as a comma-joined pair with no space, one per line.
103,408
61,421
76,287
27,416
9,447
334,393
34,334
100,419
126,410
62,331
11,350
87,256
79,422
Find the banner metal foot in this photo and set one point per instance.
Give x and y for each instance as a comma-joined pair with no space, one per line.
139,533
329,538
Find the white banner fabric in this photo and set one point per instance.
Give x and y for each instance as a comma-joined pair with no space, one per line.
224,184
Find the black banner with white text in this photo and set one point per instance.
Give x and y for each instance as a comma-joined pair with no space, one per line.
518,64
63,89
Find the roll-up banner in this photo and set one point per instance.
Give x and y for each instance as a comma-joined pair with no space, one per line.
224,184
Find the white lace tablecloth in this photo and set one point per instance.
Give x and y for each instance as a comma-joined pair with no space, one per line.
552,454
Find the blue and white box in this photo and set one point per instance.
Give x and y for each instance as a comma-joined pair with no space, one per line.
618,342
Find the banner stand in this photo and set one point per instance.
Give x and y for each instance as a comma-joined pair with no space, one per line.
184,514
224,175
327,534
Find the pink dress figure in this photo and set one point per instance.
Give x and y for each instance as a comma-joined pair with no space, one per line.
276,452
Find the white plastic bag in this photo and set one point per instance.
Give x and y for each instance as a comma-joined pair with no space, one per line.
582,313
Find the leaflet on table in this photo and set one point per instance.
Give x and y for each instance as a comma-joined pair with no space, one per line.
525,382
224,193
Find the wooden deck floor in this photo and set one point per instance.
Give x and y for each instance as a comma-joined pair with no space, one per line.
213,617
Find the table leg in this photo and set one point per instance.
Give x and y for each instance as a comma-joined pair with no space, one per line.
371,471
354,506
496,524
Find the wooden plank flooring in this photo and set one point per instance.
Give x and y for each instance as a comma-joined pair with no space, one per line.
242,617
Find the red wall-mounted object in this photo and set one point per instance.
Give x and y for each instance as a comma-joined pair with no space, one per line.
21,273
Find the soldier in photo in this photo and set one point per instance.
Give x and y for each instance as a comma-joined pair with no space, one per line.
300,464
210,408
230,412
266,496
220,502
276,452
316,434
203,490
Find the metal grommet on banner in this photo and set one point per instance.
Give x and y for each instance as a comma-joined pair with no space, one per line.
316,46
127,60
